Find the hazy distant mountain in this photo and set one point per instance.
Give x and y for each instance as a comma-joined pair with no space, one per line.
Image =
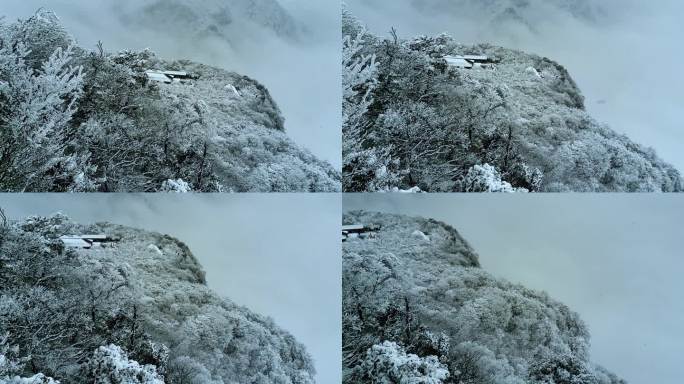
419,309
528,12
223,18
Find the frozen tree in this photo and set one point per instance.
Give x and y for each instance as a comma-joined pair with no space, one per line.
11,366
364,168
485,178
111,365
358,81
388,363
36,106
10,363
178,186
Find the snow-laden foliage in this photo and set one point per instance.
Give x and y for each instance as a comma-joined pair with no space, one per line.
37,102
436,122
78,120
11,365
485,178
388,363
365,168
418,284
110,365
177,186
136,307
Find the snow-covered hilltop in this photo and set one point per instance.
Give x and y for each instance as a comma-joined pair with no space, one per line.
134,309
418,308
217,18
76,120
443,116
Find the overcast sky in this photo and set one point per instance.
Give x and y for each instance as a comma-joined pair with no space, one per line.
277,254
302,76
629,67
615,259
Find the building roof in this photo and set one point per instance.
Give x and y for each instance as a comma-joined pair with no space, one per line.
76,243
475,57
84,241
158,76
176,73
457,61
348,228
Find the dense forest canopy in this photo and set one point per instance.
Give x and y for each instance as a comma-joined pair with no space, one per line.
77,120
417,308
136,310
519,124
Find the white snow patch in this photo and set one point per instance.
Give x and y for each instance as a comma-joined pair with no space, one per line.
232,88
415,189
421,235
156,249
177,186
534,71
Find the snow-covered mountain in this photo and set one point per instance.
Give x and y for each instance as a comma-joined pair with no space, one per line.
417,306
78,314
425,116
97,121
224,18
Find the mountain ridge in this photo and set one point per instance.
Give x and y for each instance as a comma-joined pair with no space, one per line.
150,292
416,284
516,123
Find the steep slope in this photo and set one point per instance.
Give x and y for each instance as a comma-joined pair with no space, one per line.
75,120
144,292
432,124
414,289
219,18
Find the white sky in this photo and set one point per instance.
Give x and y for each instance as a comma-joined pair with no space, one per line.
629,69
303,77
615,259
277,254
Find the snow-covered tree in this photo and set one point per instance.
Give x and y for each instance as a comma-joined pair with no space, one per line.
111,365
12,366
36,107
365,168
388,363
485,178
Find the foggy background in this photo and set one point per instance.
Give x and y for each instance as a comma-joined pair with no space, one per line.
279,255
302,74
615,259
627,62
